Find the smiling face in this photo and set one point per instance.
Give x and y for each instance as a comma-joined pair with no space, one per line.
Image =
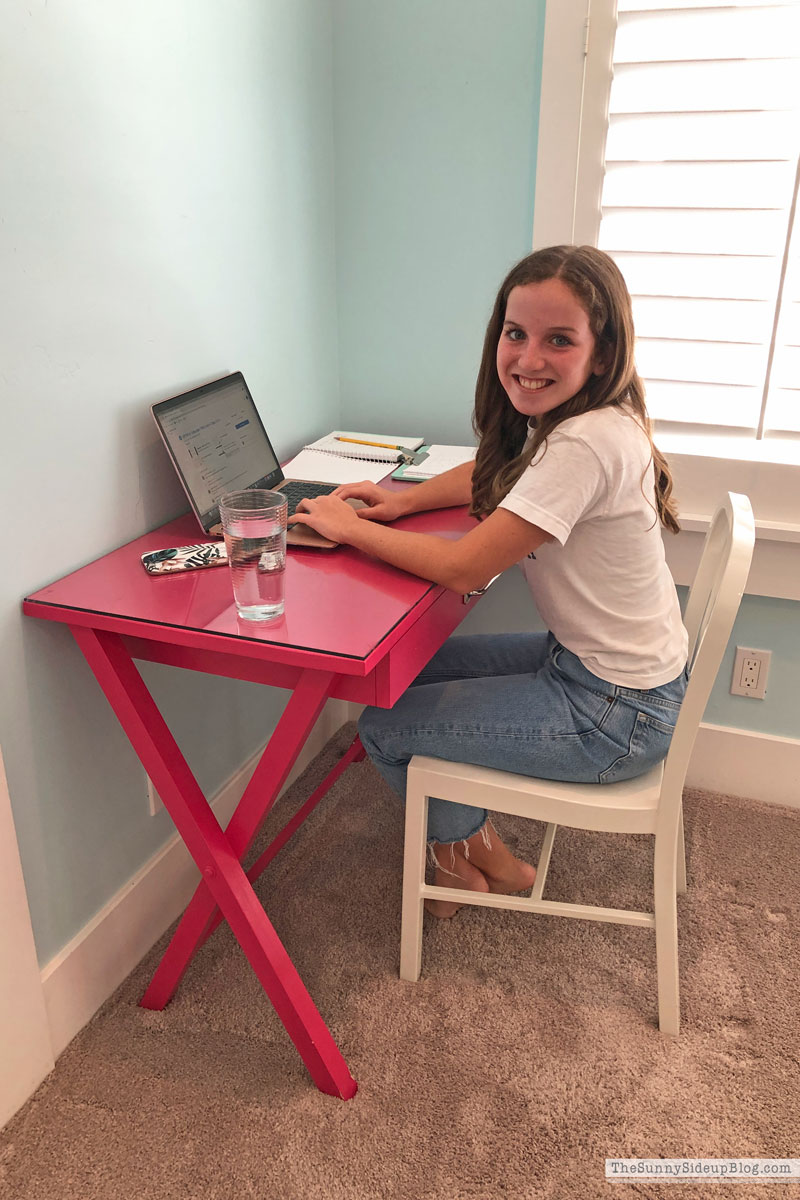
547,350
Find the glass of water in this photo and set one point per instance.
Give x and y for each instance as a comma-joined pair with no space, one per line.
254,525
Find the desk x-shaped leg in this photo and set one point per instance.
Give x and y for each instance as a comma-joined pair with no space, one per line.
217,854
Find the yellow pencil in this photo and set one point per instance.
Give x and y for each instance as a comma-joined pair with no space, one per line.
364,442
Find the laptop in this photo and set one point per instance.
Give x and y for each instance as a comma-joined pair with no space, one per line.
217,443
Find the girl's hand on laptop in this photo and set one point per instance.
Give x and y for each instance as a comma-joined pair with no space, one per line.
328,515
381,504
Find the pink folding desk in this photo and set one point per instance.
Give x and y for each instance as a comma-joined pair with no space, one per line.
354,629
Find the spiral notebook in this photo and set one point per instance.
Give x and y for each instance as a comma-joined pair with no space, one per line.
345,456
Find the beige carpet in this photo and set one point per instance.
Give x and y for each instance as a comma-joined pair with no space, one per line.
527,1053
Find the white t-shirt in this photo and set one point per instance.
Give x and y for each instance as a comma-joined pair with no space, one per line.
603,586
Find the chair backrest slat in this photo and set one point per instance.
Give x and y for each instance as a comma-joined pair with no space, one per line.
711,609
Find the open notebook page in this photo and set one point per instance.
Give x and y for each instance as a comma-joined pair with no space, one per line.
438,460
330,468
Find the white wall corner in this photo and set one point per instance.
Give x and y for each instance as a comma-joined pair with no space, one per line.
25,1051
95,962
561,93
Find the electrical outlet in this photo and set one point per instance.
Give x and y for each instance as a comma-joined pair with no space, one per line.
153,799
750,671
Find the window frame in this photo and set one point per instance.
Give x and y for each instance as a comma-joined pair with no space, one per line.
576,80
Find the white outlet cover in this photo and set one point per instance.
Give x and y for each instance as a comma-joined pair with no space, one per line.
759,690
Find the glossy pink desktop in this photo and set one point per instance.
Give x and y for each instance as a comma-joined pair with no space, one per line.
354,629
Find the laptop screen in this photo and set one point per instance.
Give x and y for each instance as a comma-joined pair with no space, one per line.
217,442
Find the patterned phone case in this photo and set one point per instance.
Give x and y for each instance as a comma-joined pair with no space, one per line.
185,558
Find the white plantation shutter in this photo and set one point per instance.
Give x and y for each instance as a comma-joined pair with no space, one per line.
697,205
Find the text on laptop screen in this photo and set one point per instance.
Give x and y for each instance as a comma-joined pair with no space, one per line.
218,442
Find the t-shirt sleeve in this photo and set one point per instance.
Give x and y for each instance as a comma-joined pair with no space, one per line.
563,484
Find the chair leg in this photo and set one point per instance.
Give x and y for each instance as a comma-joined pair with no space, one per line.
543,865
413,881
681,856
666,915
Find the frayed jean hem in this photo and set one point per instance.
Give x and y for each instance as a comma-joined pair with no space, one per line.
482,817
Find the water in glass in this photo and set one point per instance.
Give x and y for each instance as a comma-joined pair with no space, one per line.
258,567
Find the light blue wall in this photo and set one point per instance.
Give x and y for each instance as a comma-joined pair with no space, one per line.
436,117
763,623
167,203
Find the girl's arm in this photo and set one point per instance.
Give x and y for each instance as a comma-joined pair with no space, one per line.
443,491
464,565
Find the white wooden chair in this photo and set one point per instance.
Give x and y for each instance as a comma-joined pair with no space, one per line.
650,804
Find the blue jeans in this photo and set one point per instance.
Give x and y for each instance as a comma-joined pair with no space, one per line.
519,702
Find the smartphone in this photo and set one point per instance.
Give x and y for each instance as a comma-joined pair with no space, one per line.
185,558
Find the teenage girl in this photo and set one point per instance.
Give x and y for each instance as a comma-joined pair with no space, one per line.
566,482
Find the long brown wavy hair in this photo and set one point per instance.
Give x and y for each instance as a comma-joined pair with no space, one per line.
598,286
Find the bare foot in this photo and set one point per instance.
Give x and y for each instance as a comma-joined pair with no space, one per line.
467,877
503,871
520,878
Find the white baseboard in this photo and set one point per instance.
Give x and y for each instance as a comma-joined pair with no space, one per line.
88,970
737,762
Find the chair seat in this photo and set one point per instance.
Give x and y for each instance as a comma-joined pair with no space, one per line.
630,806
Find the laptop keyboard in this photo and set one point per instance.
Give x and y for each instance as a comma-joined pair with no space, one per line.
297,490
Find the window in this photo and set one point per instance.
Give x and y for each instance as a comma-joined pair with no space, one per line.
715,429
697,207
